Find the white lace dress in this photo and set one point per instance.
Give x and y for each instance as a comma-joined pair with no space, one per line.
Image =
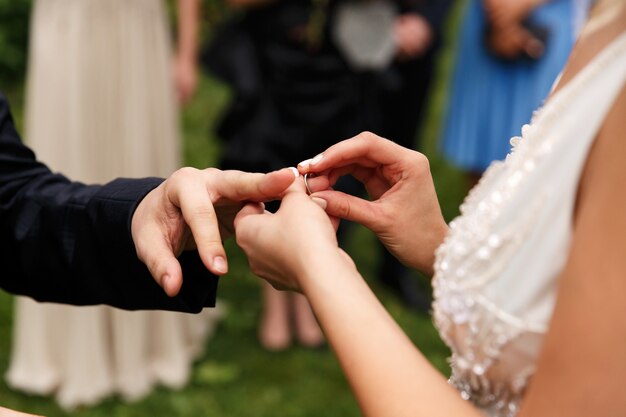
496,273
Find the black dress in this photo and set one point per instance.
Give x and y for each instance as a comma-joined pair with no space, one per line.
292,99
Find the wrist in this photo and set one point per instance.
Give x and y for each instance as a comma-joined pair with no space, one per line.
424,259
322,269
186,57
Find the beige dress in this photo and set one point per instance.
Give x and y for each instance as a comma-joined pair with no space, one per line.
100,105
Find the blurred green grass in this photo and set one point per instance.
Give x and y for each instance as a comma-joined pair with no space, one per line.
235,377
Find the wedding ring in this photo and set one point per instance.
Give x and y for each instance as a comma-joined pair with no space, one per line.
306,184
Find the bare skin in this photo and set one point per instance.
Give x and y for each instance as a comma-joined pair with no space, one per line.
185,62
507,37
195,208
581,367
5,412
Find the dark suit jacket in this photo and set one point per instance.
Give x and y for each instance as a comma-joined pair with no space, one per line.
68,242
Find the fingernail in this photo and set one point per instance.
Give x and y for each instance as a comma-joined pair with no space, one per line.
220,265
295,171
317,159
320,202
305,163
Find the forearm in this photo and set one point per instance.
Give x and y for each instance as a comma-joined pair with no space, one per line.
388,375
70,243
188,28
66,242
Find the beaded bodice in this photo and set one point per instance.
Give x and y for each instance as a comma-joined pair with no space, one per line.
496,273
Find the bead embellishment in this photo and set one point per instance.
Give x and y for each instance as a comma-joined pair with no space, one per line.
479,247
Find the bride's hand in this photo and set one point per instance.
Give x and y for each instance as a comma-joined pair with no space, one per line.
404,211
286,247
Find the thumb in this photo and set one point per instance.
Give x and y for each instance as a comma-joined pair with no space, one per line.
246,212
348,207
159,257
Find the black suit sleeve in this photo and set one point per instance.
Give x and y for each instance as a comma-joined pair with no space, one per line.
68,242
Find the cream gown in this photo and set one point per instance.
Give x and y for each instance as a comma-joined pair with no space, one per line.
496,273
100,105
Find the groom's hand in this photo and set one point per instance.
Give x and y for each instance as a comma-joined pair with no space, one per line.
195,209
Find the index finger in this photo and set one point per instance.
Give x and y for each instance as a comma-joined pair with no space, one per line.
244,186
189,194
365,149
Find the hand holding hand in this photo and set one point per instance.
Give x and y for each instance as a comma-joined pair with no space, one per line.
514,41
501,13
284,248
195,209
404,211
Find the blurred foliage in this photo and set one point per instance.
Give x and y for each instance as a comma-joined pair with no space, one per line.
14,18
213,12
236,377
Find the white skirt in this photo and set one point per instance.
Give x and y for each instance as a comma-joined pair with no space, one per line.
100,105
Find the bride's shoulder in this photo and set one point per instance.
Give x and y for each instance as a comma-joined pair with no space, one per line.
604,175
584,345
605,27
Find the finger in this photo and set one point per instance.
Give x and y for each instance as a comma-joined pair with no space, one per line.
365,149
296,187
319,182
533,47
372,178
348,207
250,209
375,183
190,194
244,186
247,226
158,255
335,221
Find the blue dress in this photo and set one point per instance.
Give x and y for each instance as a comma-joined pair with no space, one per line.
492,98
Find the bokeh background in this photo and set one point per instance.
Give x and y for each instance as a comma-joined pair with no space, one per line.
235,376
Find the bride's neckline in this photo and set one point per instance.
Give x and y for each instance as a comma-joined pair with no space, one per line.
603,14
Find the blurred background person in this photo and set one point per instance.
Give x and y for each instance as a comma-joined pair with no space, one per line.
101,103
508,57
307,74
294,95
398,98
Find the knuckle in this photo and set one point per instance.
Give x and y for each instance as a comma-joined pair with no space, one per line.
186,172
422,164
211,172
213,246
343,209
367,136
203,212
182,175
